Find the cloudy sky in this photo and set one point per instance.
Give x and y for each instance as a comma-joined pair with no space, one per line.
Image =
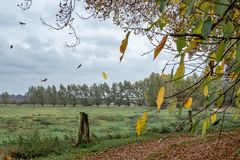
39,52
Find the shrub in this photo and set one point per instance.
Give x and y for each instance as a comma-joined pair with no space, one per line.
34,145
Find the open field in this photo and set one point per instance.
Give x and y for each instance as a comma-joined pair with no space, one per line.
62,121
109,127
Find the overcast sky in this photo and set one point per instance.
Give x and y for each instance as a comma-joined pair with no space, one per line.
39,52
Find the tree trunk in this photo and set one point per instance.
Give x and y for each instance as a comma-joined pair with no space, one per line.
190,120
83,131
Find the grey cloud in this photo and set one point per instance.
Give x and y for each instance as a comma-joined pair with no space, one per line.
101,40
7,20
39,52
34,42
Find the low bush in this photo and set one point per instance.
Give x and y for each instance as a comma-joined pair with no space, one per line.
35,145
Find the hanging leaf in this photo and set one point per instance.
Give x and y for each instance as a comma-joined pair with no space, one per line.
222,66
206,125
205,91
220,51
181,43
123,46
188,103
220,99
192,45
213,118
198,27
162,5
206,29
221,8
228,29
195,126
213,57
104,75
180,71
160,46
160,98
141,124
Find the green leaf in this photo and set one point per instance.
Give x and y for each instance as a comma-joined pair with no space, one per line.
228,29
206,124
182,58
162,5
198,27
220,99
180,71
195,126
221,8
206,29
181,43
220,51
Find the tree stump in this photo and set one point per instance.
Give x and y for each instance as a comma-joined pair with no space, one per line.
83,130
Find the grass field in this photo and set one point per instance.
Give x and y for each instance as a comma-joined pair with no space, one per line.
109,126
62,121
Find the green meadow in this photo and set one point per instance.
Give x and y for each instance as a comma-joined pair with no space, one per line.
48,127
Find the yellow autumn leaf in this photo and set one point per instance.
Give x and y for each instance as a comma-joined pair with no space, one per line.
160,98
123,46
188,103
192,45
180,71
205,91
160,46
212,57
213,117
222,66
141,123
104,75
220,70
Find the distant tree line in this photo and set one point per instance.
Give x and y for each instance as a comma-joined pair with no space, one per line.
140,93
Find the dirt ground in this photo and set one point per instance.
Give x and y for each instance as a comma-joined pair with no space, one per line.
179,147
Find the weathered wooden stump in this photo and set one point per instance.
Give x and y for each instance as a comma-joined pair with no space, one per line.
83,130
